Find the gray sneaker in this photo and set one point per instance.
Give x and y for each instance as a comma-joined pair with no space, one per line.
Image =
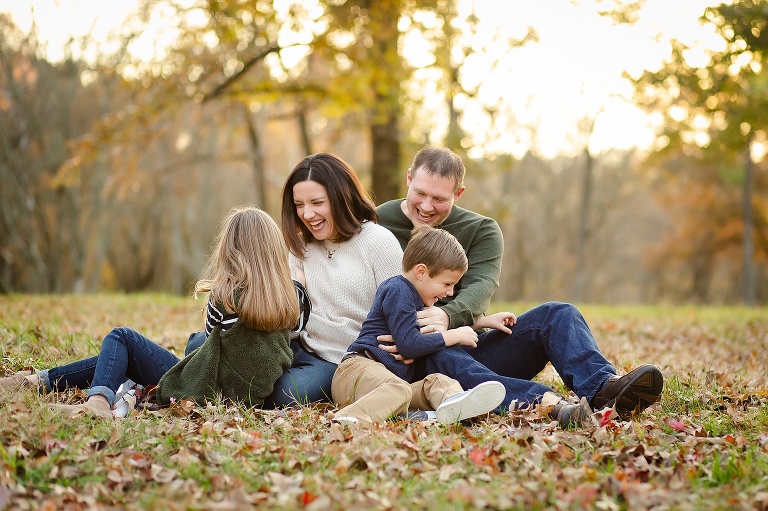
571,415
418,415
473,402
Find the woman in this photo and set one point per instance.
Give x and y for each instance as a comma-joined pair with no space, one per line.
329,225
248,337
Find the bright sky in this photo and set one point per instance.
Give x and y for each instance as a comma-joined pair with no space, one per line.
573,72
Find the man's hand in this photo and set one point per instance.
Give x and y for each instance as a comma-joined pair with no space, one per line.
390,347
432,319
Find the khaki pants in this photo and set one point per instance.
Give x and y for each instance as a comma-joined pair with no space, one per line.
369,391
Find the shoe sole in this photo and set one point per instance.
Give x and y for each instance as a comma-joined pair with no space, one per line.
346,421
640,393
480,400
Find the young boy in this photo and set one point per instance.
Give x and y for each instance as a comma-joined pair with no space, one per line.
371,385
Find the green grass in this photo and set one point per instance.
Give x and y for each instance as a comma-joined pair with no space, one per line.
705,446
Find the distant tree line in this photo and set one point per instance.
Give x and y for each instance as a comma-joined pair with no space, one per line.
114,174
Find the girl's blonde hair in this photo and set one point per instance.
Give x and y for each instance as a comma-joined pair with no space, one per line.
248,272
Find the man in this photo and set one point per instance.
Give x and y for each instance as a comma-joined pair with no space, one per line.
552,332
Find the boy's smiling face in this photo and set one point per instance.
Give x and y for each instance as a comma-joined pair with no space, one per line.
432,288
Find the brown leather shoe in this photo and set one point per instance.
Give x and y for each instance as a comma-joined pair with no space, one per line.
631,393
15,382
92,407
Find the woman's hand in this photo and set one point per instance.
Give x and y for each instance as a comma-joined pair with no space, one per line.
389,347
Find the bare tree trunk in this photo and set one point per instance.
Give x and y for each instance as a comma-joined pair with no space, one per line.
306,141
386,159
580,282
750,288
257,159
386,171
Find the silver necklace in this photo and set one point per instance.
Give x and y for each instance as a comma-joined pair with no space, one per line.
329,251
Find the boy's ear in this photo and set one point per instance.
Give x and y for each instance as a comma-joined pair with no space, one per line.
420,270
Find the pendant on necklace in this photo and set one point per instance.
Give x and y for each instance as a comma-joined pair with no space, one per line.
328,250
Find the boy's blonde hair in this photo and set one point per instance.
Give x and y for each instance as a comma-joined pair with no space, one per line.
435,248
248,272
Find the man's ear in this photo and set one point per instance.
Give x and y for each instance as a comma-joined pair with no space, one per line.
408,177
458,193
420,271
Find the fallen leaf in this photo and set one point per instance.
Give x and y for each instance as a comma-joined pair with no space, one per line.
676,424
477,455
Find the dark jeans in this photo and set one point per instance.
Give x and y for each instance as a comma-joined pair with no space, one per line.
553,332
124,354
307,380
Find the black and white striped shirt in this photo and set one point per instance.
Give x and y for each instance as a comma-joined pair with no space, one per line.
215,317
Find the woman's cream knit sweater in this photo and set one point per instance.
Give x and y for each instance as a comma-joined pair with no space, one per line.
342,288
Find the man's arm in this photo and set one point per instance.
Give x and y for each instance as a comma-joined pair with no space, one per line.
485,250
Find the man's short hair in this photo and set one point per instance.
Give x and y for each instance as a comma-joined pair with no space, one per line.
440,161
435,248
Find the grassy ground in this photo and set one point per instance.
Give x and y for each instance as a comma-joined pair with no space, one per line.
704,447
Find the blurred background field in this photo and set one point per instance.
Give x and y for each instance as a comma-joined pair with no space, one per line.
619,144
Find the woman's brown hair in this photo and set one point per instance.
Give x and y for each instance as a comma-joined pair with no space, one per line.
350,203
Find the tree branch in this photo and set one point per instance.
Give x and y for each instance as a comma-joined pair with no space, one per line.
218,91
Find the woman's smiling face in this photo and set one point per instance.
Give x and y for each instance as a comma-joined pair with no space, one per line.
314,209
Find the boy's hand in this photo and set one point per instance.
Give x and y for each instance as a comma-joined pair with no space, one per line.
390,347
463,335
432,319
500,321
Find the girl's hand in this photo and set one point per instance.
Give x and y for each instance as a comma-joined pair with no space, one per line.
298,274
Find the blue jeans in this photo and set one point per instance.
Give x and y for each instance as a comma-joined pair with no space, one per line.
307,380
195,341
553,332
124,354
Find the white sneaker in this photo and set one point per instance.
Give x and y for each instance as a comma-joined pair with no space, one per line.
346,421
125,404
471,403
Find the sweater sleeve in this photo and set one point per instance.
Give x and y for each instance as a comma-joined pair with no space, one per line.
386,255
484,254
400,315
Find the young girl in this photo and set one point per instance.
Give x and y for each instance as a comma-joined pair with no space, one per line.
252,305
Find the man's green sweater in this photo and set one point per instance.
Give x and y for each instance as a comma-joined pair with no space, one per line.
240,364
482,241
